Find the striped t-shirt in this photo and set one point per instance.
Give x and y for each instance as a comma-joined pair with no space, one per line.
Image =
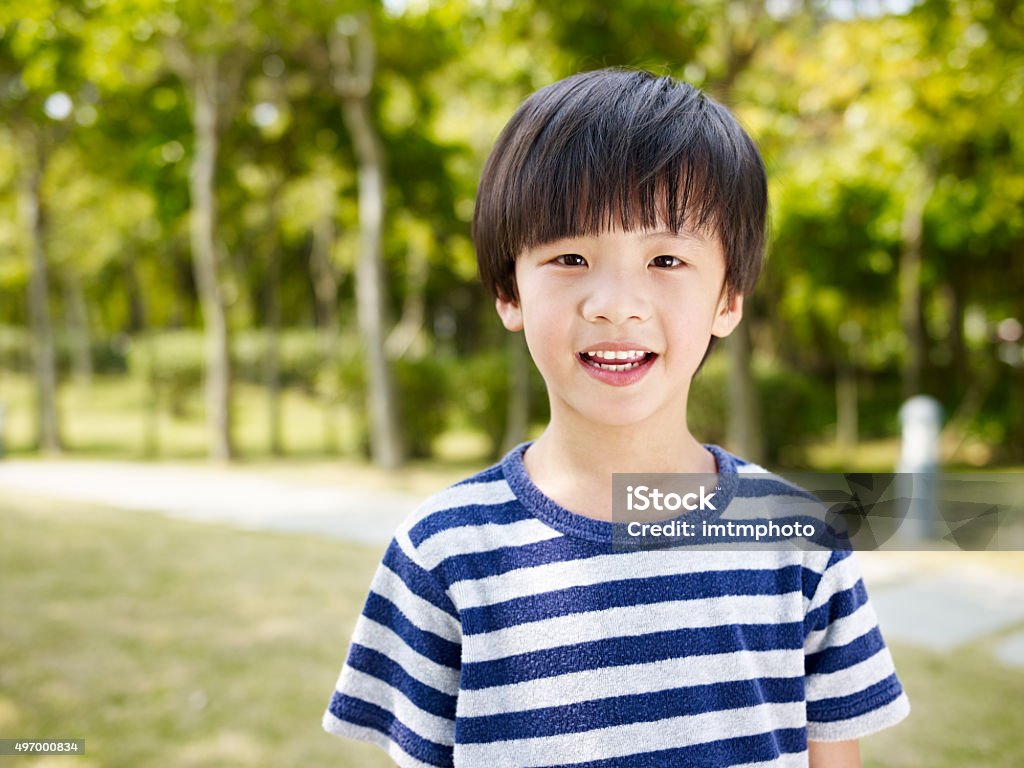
503,630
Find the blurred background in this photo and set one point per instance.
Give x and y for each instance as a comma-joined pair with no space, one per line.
235,256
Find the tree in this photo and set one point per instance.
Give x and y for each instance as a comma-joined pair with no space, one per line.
352,56
31,68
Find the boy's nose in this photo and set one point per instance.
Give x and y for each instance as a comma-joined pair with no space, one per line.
616,298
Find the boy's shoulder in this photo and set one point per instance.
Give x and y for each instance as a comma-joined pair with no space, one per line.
460,503
475,514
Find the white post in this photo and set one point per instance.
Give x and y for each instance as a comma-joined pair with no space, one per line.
921,421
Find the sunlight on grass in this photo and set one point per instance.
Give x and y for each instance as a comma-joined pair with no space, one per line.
111,418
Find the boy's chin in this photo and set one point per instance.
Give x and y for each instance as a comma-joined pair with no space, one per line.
640,420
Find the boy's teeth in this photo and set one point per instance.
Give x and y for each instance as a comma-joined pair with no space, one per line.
632,354
624,360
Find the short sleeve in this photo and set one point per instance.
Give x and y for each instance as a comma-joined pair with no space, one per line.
852,688
399,684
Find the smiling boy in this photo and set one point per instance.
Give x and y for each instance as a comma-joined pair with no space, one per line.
619,224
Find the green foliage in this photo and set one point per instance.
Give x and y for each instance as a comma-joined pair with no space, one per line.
14,349
796,408
440,392
482,394
423,388
300,356
178,356
857,115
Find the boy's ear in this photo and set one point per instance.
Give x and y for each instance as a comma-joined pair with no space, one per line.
510,313
728,314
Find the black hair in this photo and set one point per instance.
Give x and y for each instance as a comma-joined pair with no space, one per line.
625,148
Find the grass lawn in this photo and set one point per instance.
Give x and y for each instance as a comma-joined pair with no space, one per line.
169,643
172,643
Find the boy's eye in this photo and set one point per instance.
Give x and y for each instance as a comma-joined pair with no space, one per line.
666,262
571,260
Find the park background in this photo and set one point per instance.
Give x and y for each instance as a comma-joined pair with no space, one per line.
238,233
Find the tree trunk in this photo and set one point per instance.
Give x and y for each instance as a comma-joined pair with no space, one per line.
406,337
353,78
144,341
271,358
911,231
960,361
202,225
847,433
744,412
78,328
743,417
518,415
44,355
847,405
325,288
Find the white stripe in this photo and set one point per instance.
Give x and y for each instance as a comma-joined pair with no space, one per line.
352,731
523,582
842,631
859,727
424,614
789,760
496,492
840,577
846,682
379,638
470,539
621,740
632,621
431,727
630,680
751,469
484,494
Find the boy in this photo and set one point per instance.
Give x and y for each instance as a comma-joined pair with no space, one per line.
619,224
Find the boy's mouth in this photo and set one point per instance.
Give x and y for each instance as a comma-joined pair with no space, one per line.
617,360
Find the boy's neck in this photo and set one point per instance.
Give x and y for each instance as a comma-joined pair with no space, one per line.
575,467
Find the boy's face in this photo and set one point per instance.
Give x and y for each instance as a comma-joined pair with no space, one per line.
618,323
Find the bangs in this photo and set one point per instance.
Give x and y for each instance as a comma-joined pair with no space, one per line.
587,194
619,149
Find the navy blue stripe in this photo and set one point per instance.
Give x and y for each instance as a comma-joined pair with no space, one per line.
624,710
713,754
620,651
480,565
812,578
359,712
856,704
843,656
434,647
426,697
471,514
840,605
641,591
809,582
489,475
419,581
836,558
